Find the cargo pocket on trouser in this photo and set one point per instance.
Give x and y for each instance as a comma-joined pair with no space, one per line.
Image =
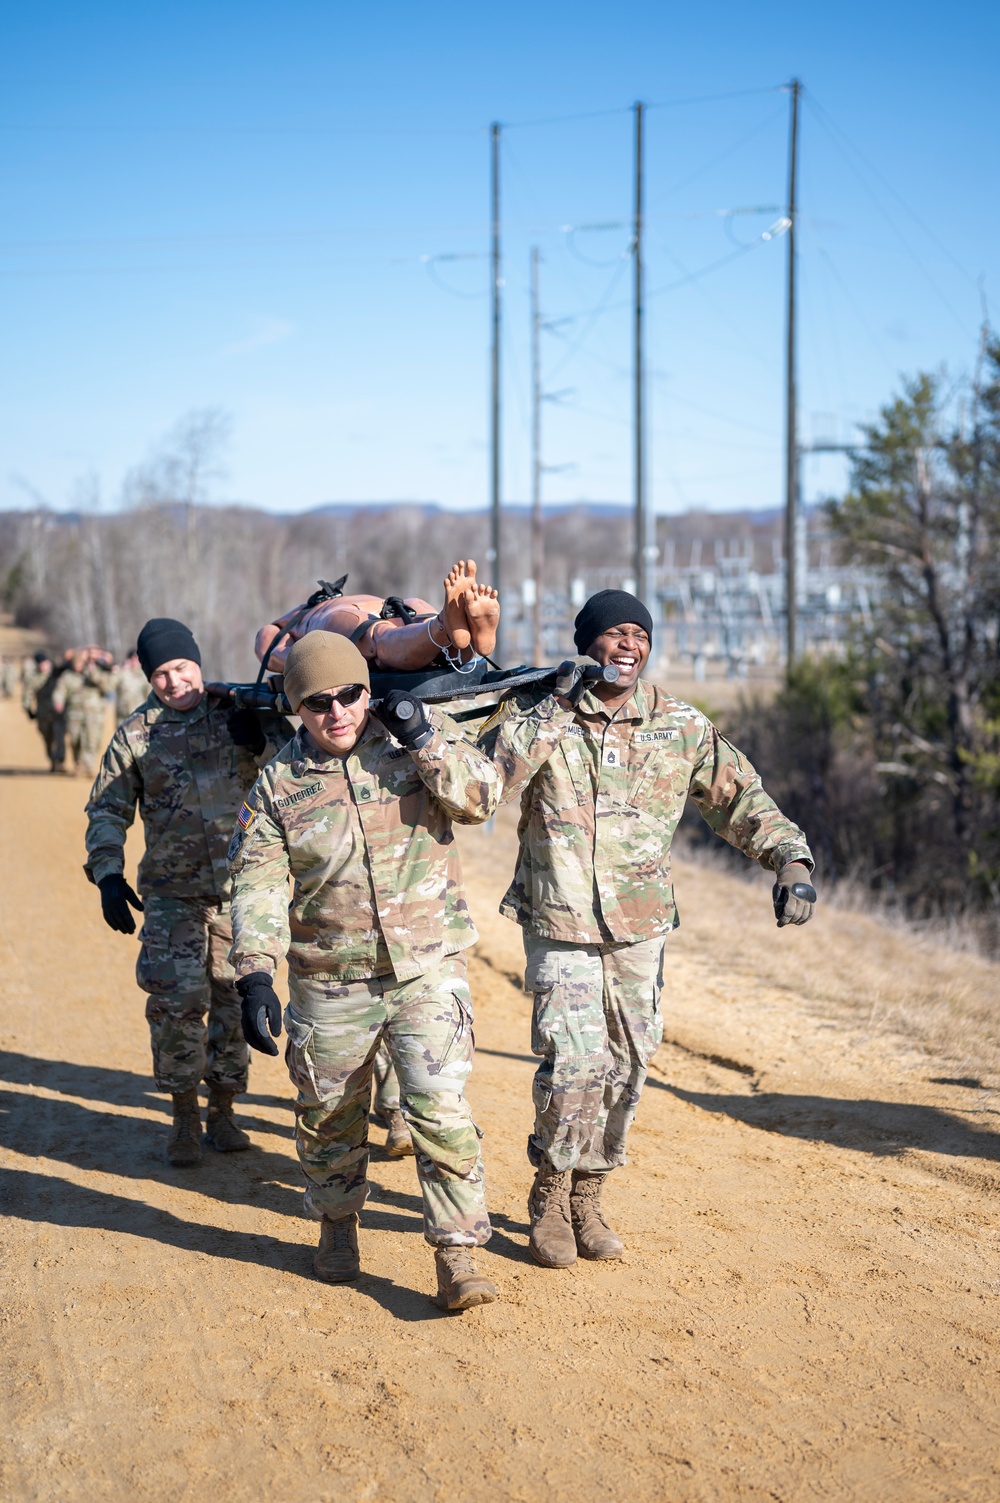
568,1032
432,1043
170,969
654,1036
299,1057
635,1030
331,1127
445,1135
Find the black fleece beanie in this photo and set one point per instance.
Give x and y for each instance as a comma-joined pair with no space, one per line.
163,639
606,609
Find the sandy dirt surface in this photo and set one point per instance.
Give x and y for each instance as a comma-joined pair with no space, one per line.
807,1307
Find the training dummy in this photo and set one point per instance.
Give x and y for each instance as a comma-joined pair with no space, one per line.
394,635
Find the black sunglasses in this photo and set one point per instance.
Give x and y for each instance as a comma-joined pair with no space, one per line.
320,704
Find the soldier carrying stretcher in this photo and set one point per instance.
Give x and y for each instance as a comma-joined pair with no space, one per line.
603,773
358,811
185,762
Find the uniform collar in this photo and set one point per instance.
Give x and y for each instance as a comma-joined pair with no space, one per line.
157,711
635,709
307,756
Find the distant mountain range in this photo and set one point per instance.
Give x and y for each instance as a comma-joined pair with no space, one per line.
759,515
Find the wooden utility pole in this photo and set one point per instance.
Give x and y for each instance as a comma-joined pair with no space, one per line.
791,399
496,577
537,531
638,414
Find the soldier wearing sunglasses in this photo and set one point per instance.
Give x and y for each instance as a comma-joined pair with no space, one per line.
358,811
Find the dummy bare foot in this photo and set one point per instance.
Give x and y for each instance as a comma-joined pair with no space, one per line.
482,610
453,615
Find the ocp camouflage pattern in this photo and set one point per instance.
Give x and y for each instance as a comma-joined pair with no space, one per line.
131,690
82,695
601,799
425,1026
367,839
182,770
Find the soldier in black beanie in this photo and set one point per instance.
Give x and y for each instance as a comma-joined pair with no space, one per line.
186,762
603,776
164,640
606,609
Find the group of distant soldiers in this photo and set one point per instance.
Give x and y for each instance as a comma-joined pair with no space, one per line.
331,846
67,696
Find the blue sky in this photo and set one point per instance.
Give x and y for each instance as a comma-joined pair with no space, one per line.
282,211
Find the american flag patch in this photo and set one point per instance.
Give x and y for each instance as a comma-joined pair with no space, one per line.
245,816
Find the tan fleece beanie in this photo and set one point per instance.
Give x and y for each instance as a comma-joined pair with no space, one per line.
319,661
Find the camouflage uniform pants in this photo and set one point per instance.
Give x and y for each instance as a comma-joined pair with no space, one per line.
85,733
334,1033
184,966
386,1082
596,1024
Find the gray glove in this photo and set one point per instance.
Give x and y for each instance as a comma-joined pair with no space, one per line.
793,894
571,683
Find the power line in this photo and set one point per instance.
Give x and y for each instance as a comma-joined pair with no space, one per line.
747,343
662,104
667,104
591,318
722,156
917,260
931,235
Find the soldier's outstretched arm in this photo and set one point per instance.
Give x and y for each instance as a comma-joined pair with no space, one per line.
460,776
730,798
258,864
521,737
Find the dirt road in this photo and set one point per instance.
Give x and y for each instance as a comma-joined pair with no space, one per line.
807,1308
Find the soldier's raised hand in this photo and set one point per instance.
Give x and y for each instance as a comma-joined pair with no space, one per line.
571,680
404,717
116,896
260,1014
793,894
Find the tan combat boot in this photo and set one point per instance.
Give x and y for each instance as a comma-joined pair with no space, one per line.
460,1286
220,1127
337,1259
551,1242
399,1143
184,1145
594,1238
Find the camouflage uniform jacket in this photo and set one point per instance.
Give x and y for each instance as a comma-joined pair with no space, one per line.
78,691
601,799
367,840
131,689
182,770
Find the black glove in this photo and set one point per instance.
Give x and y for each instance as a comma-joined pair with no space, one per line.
404,717
793,894
261,1011
116,895
244,729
